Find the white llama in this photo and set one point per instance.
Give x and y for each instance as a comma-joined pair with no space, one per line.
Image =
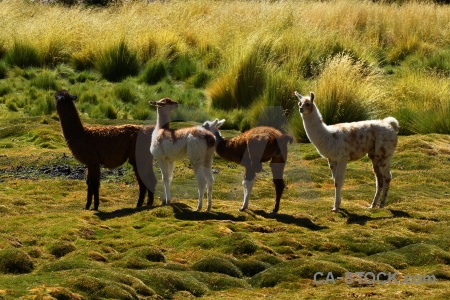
169,145
345,142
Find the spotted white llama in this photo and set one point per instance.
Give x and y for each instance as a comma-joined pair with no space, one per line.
169,145
345,142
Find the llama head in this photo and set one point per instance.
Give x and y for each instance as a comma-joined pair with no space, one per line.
165,103
64,96
213,126
305,103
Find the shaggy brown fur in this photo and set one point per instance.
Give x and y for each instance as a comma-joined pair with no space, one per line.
251,149
110,146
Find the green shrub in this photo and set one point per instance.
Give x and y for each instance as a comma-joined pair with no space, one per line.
23,55
154,72
201,79
125,92
439,61
45,80
117,62
15,261
54,53
241,86
5,89
183,67
220,93
3,70
3,49
82,61
217,265
250,80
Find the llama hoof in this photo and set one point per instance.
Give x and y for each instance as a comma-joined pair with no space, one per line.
242,208
370,207
334,209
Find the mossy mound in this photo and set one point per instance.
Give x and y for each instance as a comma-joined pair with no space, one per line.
413,255
251,267
110,286
166,282
291,271
15,261
61,249
217,265
357,264
240,243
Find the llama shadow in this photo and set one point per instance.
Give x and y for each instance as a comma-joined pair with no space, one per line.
186,213
288,219
123,212
362,219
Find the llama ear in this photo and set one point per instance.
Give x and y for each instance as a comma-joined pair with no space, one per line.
297,94
311,96
153,103
220,123
206,125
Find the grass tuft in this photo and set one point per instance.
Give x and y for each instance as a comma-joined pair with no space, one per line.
154,72
62,249
15,261
117,62
217,265
23,55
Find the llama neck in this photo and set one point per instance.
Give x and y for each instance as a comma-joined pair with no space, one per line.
70,120
162,118
225,150
315,128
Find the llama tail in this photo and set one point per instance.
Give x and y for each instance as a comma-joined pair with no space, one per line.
393,122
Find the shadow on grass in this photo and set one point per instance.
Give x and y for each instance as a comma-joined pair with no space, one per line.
362,219
288,219
184,212
123,212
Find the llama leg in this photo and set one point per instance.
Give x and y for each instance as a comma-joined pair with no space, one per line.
379,182
93,183
209,180
387,176
277,166
201,184
338,172
247,183
151,188
142,188
255,151
166,167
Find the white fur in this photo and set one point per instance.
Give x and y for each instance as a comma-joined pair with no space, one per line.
171,145
345,142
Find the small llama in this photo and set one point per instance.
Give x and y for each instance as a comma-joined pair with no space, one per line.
169,145
341,143
250,149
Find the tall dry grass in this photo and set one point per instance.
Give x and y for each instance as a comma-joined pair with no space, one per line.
294,39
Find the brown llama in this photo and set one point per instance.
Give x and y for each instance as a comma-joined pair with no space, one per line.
109,146
250,150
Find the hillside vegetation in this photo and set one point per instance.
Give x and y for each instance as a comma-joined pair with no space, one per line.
231,58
